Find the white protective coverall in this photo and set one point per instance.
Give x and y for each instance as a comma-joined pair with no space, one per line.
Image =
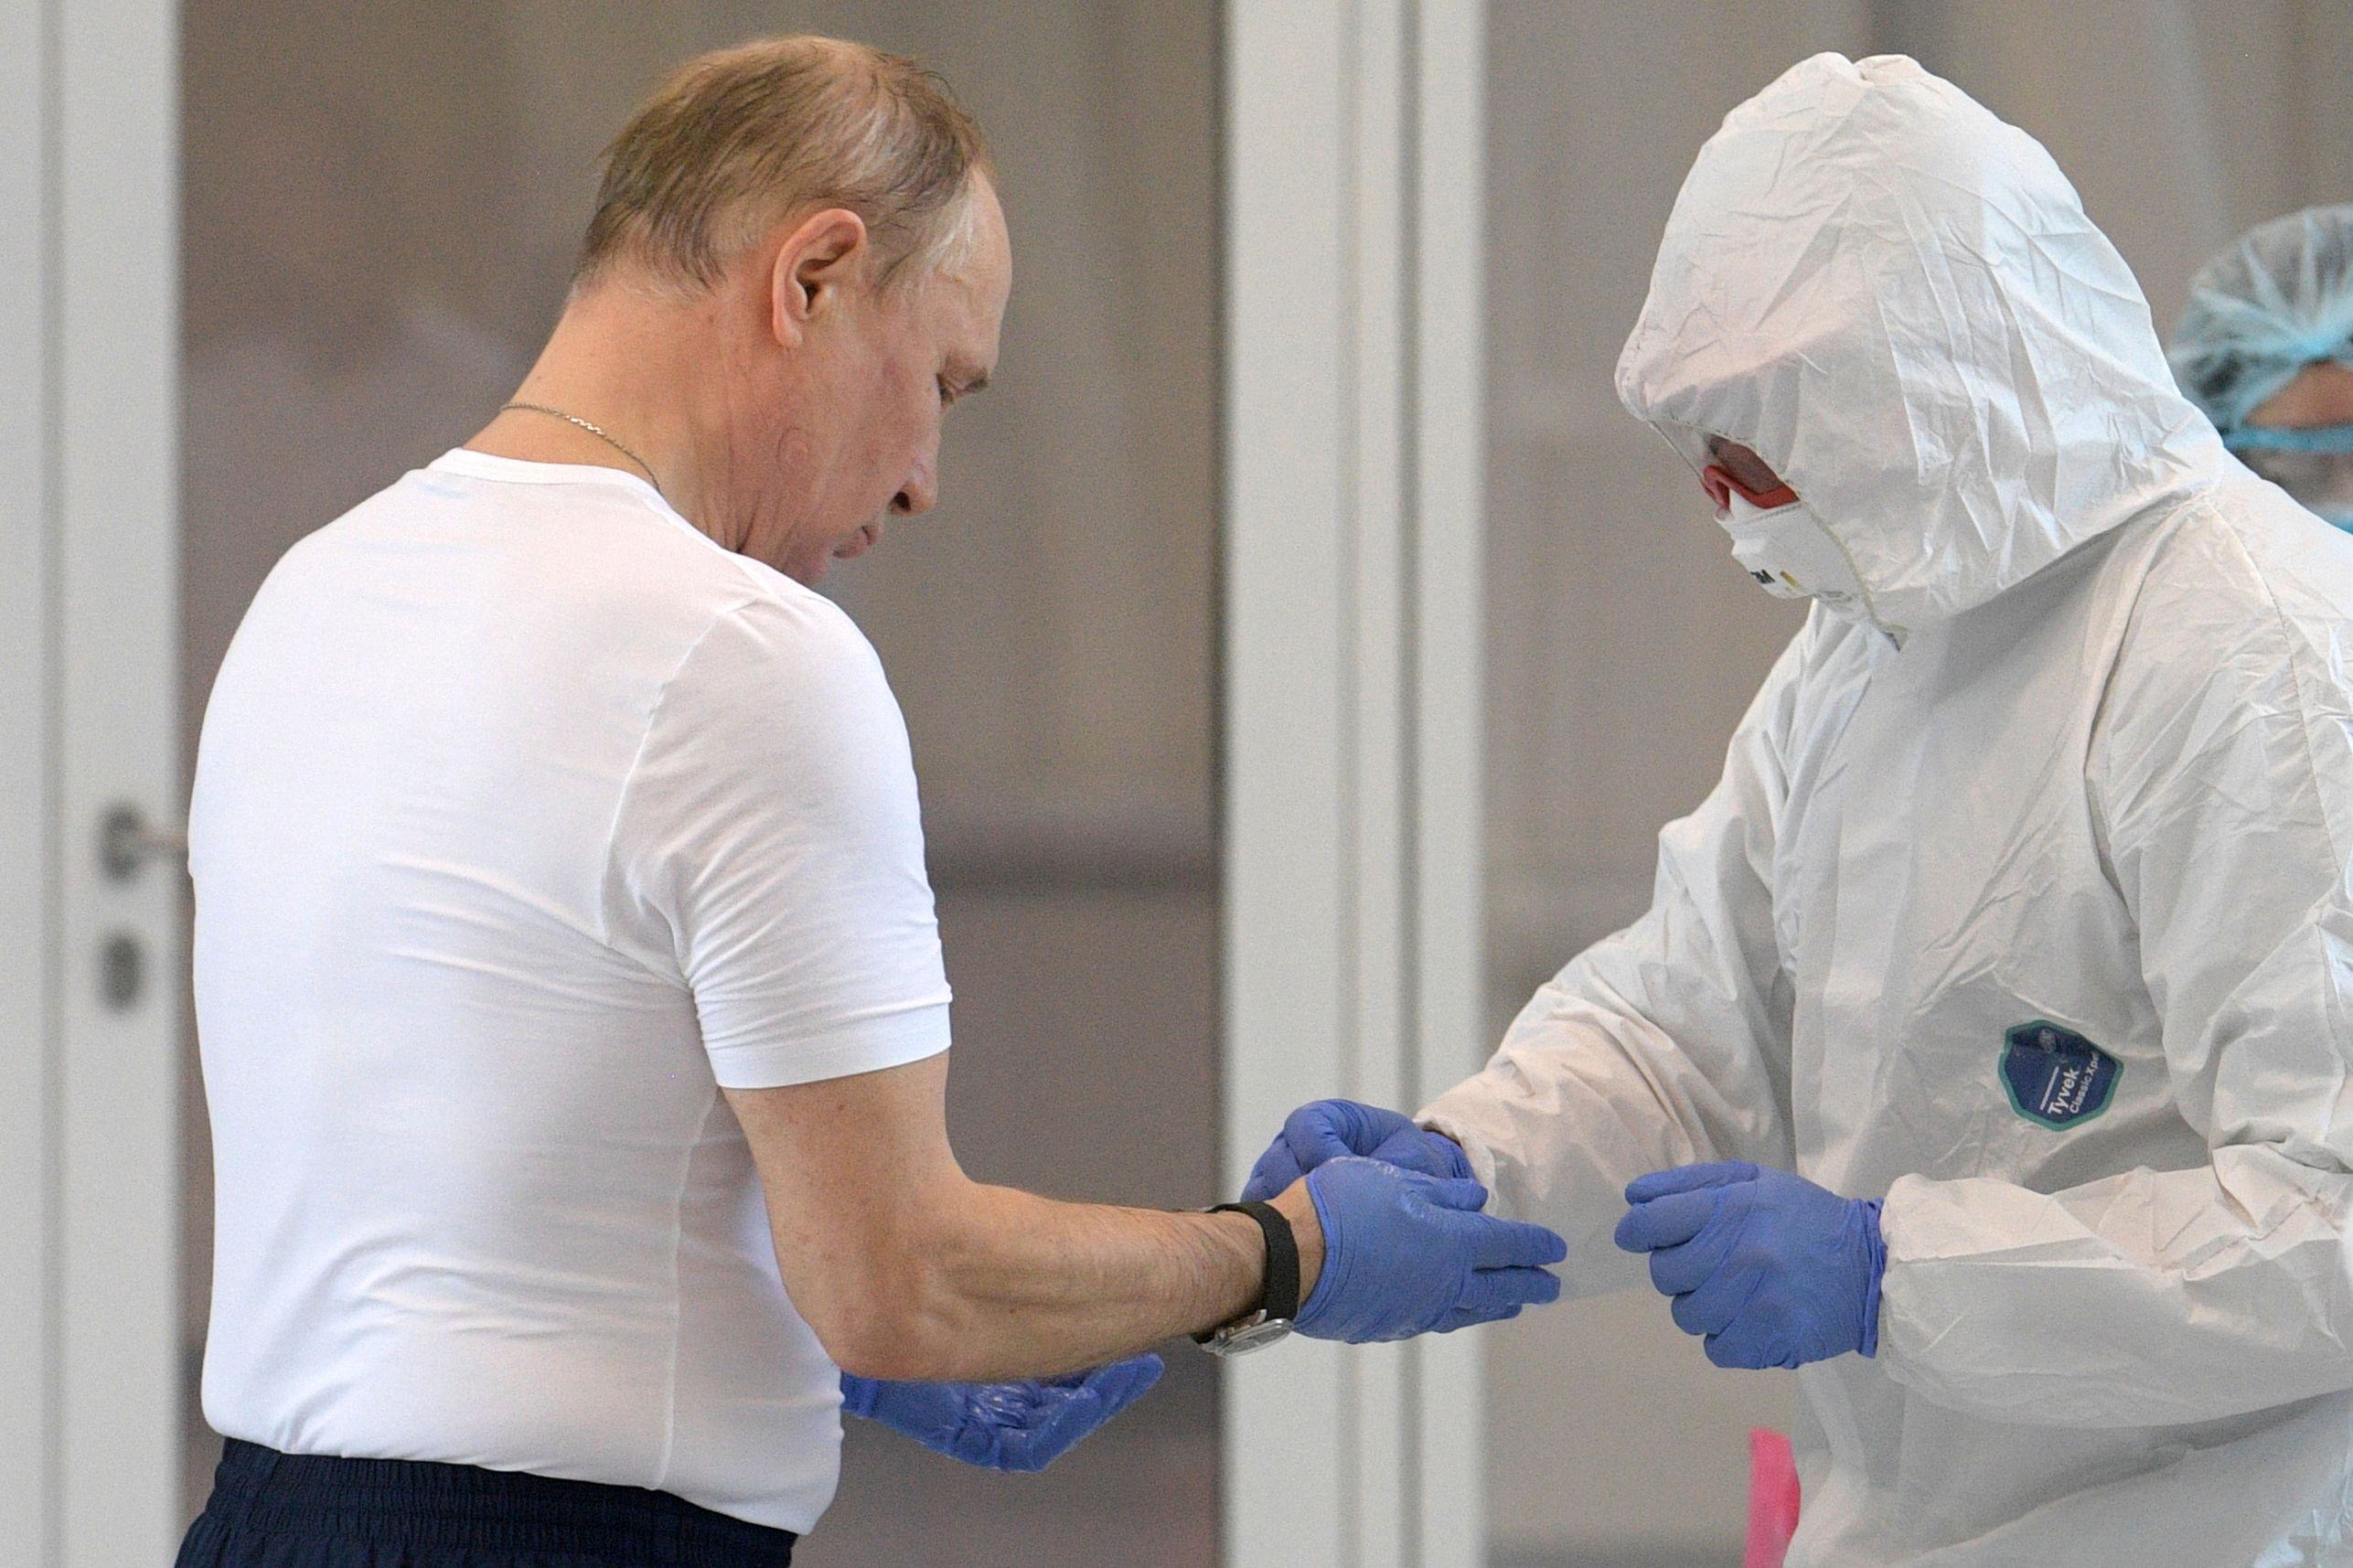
2098,789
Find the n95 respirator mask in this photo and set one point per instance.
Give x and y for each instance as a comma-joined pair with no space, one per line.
1792,555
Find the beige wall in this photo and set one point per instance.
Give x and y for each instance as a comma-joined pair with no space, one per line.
381,205
1625,642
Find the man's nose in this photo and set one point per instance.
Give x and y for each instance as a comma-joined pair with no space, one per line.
918,494
1719,486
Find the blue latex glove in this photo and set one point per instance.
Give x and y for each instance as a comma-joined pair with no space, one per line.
1775,1270
1002,1426
1405,1254
1333,1129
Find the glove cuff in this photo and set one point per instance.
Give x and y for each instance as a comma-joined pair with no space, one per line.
1875,1250
858,1396
1328,1283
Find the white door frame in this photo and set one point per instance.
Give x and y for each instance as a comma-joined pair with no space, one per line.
1353,515
27,908
90,1434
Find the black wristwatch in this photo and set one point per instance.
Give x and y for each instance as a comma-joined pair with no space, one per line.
1272,1319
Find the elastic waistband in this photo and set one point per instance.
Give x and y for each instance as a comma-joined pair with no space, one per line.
409,1502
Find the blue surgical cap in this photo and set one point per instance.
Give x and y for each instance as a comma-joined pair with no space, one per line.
2279,299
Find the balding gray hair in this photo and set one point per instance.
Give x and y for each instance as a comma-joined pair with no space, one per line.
733,142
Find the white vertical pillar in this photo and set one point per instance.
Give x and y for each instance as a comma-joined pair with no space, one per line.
26,1472
1377,648
1354,144
1446,580
1287,882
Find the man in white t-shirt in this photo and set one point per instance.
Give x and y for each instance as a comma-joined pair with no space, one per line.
560,894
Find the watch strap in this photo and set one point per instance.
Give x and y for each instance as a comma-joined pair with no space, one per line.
1279,1299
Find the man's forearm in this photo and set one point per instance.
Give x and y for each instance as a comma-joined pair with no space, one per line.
1005,1283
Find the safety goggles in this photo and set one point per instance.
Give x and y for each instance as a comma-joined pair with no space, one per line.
2326,439
1726,467
2314,463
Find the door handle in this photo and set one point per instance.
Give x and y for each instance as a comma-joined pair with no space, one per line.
127,841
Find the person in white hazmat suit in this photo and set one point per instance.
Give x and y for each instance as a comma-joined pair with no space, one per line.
2019,928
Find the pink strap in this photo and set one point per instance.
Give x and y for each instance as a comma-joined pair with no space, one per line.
1772,1499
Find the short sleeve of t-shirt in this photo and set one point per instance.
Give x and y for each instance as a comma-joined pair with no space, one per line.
769,837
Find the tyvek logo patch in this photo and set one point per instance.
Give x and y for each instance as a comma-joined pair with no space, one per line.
2055,1077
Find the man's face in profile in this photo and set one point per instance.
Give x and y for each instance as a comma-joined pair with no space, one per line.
901,355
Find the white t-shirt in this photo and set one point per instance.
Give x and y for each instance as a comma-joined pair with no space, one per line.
526,818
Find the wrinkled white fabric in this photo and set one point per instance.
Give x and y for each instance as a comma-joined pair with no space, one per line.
2104,786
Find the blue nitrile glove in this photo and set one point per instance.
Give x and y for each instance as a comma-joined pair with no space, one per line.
1333,1129
1404,1253
1775,1270
1002,1426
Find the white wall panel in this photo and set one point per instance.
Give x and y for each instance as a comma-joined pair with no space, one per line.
1287,473
116,343
1353,140
26,876
88,1087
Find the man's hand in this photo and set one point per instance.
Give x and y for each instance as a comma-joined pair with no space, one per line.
1774,1271
1405,1254
1334,1129
1022,1426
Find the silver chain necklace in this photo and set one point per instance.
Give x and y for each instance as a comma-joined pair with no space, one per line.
597,431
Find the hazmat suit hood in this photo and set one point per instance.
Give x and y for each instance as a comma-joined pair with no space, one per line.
1896,300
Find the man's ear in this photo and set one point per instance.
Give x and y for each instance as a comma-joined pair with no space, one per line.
814,262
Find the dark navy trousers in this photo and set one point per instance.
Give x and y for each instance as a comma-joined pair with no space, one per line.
301,1510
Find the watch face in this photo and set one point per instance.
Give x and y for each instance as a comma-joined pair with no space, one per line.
1245,1337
